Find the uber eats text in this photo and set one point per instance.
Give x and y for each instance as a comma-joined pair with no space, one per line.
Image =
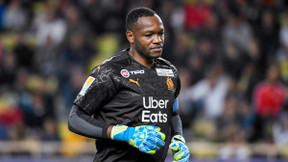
155,117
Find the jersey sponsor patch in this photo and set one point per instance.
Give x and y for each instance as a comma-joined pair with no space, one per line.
158,116
135,72
125,73
86,85
165,72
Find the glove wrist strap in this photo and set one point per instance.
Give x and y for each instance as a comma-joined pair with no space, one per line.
112,133
118,132
178,138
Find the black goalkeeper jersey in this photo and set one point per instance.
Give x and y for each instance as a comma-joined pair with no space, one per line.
122,91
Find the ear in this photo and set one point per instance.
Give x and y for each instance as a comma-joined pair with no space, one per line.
130,36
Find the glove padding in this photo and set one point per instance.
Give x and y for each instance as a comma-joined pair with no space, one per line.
147,139
179,149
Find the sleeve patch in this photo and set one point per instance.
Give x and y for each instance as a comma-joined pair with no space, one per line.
86,85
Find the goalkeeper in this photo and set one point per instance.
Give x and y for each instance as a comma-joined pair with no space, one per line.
129,102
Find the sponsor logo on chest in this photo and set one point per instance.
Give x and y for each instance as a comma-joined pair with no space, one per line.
126,74
137,72
154,116
153,103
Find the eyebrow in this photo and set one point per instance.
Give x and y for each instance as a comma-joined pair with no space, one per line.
150,31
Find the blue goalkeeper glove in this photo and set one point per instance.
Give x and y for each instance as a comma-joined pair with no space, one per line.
146,138
179,149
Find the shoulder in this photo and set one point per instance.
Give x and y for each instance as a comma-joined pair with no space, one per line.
166,68
114,63
165,63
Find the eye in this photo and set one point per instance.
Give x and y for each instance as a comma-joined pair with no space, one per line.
148,35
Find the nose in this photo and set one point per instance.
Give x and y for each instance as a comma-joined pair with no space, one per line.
158,39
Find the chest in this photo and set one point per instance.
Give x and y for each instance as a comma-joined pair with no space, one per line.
149,82
143,96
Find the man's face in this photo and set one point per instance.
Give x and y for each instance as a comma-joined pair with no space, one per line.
148,36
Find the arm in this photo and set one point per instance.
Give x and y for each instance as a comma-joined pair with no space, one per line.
98,85
81,123
178,147
177,125
176,120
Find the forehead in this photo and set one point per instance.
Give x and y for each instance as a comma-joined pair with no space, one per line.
149,23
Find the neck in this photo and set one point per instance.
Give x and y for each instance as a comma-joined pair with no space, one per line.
141,59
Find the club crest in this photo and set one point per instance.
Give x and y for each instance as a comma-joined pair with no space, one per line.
170,84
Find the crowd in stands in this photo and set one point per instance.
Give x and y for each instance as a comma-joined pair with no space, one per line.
232,57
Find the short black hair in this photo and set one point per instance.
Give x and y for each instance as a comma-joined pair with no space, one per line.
135,13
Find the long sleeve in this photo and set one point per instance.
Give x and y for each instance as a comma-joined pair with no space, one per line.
177,125
81,123
176,120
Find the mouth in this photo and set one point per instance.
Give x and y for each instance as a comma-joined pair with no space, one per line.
156,49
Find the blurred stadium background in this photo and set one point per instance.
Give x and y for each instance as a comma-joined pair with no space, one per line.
232,56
